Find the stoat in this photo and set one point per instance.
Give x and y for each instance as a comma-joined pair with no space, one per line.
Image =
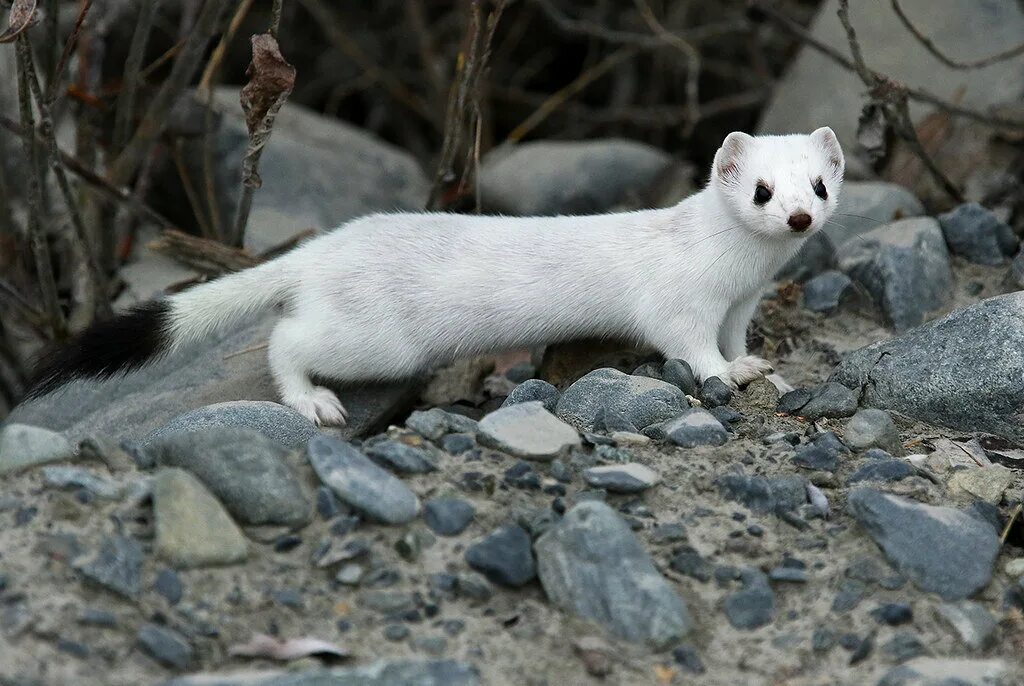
391,295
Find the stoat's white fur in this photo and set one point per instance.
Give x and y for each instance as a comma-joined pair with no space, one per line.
390,295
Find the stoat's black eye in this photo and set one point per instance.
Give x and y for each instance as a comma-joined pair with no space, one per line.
762,194
819,190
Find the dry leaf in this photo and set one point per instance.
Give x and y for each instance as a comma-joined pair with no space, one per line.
270,78
22,13
261,645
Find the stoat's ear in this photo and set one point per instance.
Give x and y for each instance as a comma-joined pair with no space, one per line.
730,155
825,139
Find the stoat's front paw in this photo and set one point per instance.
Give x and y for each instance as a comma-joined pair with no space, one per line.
745,369
321,406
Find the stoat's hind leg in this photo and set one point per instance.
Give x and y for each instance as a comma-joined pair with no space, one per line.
292,354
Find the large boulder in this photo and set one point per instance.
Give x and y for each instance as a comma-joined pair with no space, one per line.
964,371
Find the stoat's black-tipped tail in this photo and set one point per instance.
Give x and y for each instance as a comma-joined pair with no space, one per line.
125,342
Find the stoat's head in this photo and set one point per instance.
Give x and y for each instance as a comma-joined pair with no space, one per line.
784,186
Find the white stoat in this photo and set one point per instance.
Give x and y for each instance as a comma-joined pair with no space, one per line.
390,295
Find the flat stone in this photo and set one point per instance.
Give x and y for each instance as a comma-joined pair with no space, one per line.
23,447
165,645
400,457
764,495
632,477
592,565
448,516
941,549
389,672
76,477
831,400
529,431
534,389
883,470
641,400
714,392
962,371
754,605
975,625
679,374
982,483
946,671
978,235
504,556
192,528
247,471
356,480
116,566
873,428
905,268
696,427
273,420
828,291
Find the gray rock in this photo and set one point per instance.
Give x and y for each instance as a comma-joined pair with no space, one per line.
905,268
816,458
641,400
23,447
300,167
402,458
431,424
873,428
866,205
245,470
754,605
276,421
975,625
165,645
456,444
764,495
391,672
116,566
963,371
76,477
622,478
1016,276
977,234
679,374
696,427
504,556
827,291
568,177
831,400
534,389
715,393
448,516
128,408
815,256
941,549
527,430
592,565
192,527
883,470
361,483
948,671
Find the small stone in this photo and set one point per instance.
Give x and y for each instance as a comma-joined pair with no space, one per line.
361,483
534,390
715,392
642,401
629,438
456,444
76,477
763,495
396,632
904,646
560,471
941,549
893,614
668,533
431,424
474,587
165,645
689,562
788,575
278,422
448,516
350,574
945,671
431,645
688,659
401,458
696,427
504,556
793,401
815,457
754,605
830,400
975,625
327,505
726,416
289,597
883,470
100,618
23,447
287,543
592,565
827,291
168,585
986,484
116,566
192,527
679,374
851,593
823,640
625,478
595,654
529,431
977,234
872,428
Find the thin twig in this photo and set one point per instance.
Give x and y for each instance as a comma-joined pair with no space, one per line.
693,63
58,70
930,46
275,18
217,56
190,190
37,239
1009,523
125,109
208,256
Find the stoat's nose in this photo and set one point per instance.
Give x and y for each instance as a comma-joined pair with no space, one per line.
799,221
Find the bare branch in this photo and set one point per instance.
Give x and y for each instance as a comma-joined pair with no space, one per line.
930,46
69,46
125,109
692,64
